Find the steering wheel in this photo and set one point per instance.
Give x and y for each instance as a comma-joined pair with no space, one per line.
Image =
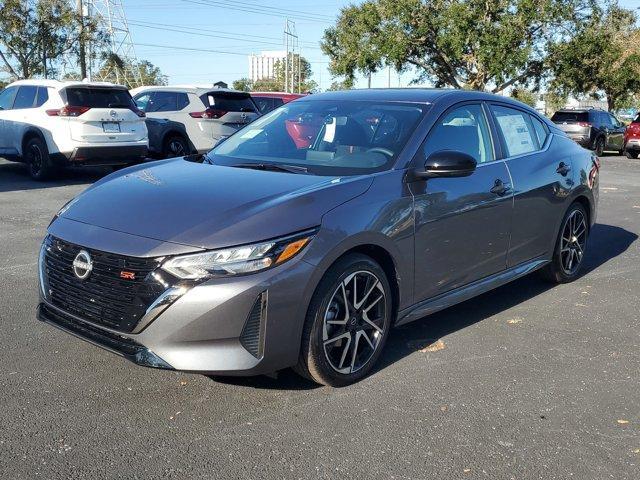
382,150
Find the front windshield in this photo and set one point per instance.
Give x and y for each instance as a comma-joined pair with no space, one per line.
325,137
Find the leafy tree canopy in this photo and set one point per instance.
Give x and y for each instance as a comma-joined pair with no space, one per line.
602,59
277,83
475,44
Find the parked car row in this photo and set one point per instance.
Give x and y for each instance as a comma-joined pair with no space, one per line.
50,124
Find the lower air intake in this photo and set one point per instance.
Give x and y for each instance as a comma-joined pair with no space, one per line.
252,338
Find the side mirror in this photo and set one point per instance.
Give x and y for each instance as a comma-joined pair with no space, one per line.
447,163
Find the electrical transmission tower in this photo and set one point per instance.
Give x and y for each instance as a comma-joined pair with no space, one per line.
122,56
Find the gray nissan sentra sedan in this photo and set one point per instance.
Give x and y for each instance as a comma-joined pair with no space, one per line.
304,237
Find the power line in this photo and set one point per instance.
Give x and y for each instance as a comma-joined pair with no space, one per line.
260,10
167,27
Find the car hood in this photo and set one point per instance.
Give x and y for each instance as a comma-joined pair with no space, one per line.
210,206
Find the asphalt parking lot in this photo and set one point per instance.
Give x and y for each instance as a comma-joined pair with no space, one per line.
526,382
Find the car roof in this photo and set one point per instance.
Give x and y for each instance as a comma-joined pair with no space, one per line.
63,83
411,95
278,94
197,89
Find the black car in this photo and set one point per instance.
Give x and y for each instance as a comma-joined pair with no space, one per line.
592,128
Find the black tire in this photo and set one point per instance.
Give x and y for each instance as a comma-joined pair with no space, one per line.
36,156
574,244
598,147
632,154
175,146
320,360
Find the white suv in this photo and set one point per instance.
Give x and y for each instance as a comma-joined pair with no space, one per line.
49,124
185,119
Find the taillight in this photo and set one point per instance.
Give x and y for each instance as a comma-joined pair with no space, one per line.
209,113
585,124
68,111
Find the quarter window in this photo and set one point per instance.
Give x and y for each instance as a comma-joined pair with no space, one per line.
517,131
183,100
464,129
540,129
142,101
42,97
25,98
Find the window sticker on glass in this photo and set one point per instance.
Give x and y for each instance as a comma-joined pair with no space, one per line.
516,134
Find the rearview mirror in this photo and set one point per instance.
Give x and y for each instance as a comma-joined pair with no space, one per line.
447,163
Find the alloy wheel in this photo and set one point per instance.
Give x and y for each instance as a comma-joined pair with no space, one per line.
176,148
354,320
35,159
573,242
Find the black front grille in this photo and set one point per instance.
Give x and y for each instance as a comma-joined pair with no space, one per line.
252,337
103,298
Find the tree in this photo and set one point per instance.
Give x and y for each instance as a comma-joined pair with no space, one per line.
525,96
475,44
35,34
131,75
301,82
602,59
341,85
243,84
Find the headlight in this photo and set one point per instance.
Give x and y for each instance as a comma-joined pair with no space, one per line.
237,260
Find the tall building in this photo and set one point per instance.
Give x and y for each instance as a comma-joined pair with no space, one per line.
261,66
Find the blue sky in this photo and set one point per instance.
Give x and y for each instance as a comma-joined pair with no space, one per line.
167,23
164,31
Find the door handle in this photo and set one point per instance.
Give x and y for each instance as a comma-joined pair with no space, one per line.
500,188
563,169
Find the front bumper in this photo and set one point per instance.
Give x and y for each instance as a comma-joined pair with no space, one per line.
245,325
104,155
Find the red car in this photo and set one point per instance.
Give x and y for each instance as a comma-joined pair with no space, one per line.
268,101
632,138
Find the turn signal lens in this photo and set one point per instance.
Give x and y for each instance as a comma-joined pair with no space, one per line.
292,249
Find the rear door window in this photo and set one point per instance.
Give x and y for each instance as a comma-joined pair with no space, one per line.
570,117
517,131
98,97
229,101
142,101
26,97
164,102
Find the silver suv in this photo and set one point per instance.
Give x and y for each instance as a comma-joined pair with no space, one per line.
188,119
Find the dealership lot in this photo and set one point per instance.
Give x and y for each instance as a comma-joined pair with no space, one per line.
528,381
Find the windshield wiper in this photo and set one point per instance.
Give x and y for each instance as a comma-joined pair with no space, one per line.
279,167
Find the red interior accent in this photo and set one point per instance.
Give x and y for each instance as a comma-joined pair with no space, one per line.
302,133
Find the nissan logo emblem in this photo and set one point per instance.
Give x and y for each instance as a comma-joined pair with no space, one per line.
113,113
82,264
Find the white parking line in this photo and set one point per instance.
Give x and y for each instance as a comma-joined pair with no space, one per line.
10,267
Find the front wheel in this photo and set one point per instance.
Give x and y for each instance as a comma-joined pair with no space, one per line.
347,322
570,247
631,154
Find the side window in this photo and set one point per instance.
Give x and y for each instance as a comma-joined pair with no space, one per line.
540,129
42,96
6,98
264,104
614,121
464,129
25,98
183,100
165,102
517,131
142,101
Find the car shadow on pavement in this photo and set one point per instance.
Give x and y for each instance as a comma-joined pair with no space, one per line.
15,177
605,243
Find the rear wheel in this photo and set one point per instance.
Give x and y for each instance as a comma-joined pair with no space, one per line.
347,323
36,155
175,146
599,146
570,247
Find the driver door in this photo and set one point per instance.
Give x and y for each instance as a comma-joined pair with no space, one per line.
462,225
